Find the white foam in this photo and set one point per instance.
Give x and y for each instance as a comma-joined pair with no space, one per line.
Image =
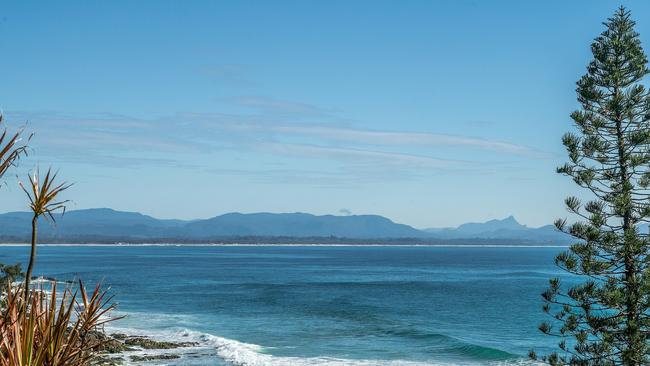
239,353
244,354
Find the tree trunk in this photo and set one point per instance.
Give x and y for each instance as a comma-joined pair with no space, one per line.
32,257
629,256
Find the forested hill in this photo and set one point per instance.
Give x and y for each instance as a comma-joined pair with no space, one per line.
105,225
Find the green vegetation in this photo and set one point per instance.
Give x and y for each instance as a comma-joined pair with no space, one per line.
12,147
42,202
51,330
9,274
605,319
36,328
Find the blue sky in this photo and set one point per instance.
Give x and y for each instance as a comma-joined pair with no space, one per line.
432,113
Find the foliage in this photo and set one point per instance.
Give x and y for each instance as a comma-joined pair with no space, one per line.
51,330
9,274
12,148
43,201
605,319
43,193
37,329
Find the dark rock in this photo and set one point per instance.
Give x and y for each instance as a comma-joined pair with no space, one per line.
102,343
154,357
115,346
107,361
119,336
151,344
105,346
188,344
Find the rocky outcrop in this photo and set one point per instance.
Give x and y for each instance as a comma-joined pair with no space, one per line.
112,349
147,343
154,357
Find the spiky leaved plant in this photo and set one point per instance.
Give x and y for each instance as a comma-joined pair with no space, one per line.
605,319
52,330
12,147
43,201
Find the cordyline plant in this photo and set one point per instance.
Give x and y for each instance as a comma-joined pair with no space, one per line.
52,330
43,201
11,148
605,318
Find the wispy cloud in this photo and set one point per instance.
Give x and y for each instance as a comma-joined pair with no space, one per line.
180,140
320,177
407,138
186,130
379,157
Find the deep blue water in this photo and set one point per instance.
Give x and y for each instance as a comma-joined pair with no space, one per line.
320,305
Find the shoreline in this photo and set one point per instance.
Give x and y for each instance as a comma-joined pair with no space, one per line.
287,245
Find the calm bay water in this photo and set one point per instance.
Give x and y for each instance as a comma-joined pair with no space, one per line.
321,305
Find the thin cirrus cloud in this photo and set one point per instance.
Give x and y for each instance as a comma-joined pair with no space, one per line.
273,108
360,155
172,140
408,139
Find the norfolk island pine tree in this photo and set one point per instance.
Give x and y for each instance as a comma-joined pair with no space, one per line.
605,320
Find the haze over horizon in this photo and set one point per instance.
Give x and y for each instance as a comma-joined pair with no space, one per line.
196,109
511,218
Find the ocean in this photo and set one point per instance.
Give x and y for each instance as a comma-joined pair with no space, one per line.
320,305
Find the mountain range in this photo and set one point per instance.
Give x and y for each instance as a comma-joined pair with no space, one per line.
507,228
103,225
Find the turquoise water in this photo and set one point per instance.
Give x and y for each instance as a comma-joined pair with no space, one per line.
320,305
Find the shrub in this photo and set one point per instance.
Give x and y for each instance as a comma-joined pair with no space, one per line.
52,330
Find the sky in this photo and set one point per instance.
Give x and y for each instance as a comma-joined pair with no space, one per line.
431,113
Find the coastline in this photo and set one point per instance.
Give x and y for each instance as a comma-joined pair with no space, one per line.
258,305
286,245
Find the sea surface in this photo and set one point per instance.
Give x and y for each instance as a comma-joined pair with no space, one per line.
321,305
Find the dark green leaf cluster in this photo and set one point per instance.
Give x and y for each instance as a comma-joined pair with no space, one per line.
605,320
9,274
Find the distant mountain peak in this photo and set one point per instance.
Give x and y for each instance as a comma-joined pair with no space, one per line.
509,223
107,224
510,220
507,228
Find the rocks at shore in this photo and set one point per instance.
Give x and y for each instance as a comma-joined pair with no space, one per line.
147,343
111,348
119,336
103,360
105,344
154,357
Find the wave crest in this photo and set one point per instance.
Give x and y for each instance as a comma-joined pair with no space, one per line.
238,353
